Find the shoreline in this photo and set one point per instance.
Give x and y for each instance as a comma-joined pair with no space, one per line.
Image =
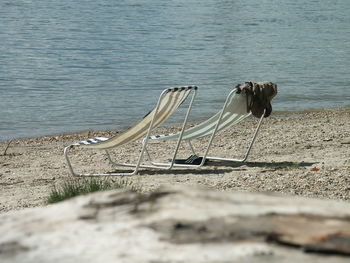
193,121
304,154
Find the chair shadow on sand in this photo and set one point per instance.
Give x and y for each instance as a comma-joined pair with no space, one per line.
221,167
266,165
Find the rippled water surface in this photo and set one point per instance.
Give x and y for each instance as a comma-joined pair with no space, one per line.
75,65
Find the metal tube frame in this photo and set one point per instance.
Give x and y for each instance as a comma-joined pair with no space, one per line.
171,164
245,157
205,157
144,146
210,140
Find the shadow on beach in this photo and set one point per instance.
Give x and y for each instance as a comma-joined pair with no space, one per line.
269,165
224,164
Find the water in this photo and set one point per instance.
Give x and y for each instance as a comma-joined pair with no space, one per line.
74,65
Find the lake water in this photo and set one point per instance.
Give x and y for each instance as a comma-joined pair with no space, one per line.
75,65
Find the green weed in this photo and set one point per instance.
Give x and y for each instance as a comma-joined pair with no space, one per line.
77,187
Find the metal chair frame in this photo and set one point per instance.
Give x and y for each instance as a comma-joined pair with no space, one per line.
139,164
213,134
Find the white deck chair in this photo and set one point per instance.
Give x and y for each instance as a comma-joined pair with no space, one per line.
168,102
233,111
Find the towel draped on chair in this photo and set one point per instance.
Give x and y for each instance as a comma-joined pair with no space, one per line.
259,97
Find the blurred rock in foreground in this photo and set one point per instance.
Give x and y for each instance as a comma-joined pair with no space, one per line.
178,225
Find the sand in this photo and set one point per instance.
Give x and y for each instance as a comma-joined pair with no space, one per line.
295,153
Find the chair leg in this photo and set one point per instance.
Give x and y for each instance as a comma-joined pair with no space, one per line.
191,147
245,157
148,155
171,164
132,165
66,150
206,151
253,139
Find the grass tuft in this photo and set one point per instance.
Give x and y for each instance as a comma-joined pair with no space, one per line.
84,186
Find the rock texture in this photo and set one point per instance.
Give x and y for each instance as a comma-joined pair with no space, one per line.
179,225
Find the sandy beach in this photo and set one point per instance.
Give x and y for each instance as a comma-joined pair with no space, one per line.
295,153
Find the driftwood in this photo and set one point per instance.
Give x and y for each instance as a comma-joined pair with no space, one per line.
179,225
7,146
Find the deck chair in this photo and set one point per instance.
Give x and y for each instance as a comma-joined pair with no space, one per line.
168,102
237,107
